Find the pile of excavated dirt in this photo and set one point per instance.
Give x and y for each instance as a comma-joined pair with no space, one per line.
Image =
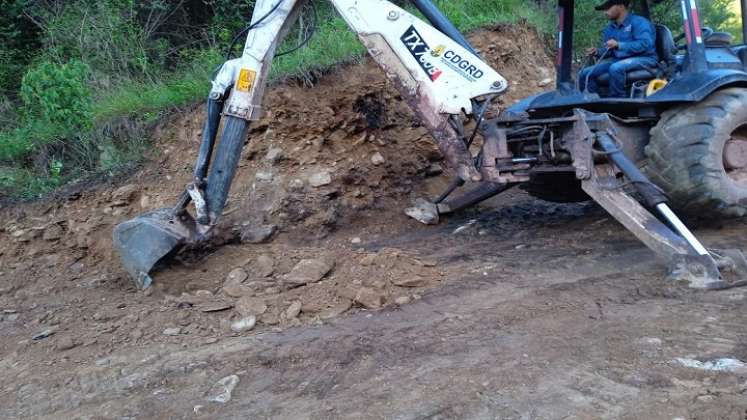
328,170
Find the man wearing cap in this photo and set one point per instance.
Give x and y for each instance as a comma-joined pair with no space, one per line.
629,43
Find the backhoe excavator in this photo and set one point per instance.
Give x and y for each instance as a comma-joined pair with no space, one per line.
565,143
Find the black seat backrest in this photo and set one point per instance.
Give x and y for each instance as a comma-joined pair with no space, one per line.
665,46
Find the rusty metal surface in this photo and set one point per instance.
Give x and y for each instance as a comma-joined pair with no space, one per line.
579,140
606,190
449,142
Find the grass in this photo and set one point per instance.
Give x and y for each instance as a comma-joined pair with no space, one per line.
333,43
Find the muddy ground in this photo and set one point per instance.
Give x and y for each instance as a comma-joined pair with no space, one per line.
320,299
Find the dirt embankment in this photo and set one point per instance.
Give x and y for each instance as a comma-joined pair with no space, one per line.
327,169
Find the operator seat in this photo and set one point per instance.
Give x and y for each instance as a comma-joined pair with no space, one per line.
665,49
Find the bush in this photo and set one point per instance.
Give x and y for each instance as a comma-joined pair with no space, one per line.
58,94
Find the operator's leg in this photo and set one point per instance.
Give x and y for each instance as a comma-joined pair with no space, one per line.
620,69
591,73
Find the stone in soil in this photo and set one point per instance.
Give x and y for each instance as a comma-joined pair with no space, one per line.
264,266
221,392
424,212
402,300
172,331
65,343
257,234
53,232
250,306
244,324
413,281
336,310
233,286
320,179
309,271
370,298
434,169
377,159
125,194
293,310
274,155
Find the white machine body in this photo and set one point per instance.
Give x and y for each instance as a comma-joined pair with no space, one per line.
435,71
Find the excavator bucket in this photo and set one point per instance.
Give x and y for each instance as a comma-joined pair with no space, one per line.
145,240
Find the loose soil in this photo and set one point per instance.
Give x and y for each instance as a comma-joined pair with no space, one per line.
518,309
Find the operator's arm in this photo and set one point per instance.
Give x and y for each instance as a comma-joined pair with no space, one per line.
643,41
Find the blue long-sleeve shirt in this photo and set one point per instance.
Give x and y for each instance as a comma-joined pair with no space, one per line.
636,36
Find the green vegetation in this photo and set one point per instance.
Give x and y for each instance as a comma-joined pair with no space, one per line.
82,80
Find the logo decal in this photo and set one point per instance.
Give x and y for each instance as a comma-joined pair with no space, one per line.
418,48
246,80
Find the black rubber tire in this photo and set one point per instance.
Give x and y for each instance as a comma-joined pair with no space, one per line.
223,167
685,156
559,187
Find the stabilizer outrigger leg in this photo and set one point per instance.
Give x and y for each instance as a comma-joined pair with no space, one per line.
688,259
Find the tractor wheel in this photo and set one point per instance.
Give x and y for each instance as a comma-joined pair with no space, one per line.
698,155
561,187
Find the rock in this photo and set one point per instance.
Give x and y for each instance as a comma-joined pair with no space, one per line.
718,365
124,195
293,310
355,241
52,233
233,286
237,275
172,331
296,185
544,82
263,176
257,234
272,291
368,260
237,290
247,306
274,155
336,310
402,300
434,169
65,343
264,266
269,319
413,281
44,334
244,324
222,390
370,298
424,212
309,271
377,159
144,202
217,305
320,179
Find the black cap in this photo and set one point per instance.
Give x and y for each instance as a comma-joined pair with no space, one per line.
609,3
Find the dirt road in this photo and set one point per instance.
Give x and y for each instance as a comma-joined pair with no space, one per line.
320,299
520,329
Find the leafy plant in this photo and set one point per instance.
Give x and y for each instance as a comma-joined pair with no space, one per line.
58,94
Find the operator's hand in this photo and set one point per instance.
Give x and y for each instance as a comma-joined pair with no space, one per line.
591,51
612,44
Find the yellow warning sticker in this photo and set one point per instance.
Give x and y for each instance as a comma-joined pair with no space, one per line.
246,80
